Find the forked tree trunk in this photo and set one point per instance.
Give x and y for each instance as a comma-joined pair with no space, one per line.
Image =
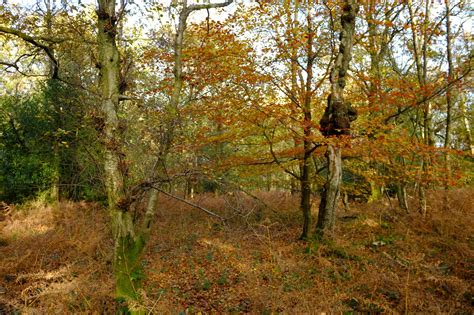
336,119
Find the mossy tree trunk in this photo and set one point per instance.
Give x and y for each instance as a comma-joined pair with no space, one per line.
129,241
130,237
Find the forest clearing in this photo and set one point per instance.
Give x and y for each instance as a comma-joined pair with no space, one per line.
381,260
221,156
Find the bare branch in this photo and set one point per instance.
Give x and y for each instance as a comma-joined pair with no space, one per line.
35,42
208,6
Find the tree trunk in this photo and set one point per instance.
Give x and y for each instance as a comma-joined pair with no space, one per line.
467,125
307,134
305,202
337,118
172,110
345,201
422,206
421,63
375,192
402,196
128,244
449,105
330,196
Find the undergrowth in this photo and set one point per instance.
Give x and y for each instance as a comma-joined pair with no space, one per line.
57,259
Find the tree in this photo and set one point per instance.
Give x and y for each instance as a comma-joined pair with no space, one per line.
337,118
130,236
295,57
37,43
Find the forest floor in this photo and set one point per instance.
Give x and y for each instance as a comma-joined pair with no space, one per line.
57,259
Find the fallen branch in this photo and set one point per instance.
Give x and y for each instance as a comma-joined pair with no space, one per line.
191,204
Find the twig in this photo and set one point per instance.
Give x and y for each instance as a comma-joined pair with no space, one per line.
154,304
401,263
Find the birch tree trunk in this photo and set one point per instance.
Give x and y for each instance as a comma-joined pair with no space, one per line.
337,118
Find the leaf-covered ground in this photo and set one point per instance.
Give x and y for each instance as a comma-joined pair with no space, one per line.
58,259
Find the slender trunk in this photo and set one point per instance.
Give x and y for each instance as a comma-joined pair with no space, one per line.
305,202
421,63
336,119
401,188
171,118
422,207
467,125
427,104
345,201
307,134
402,196
427,119
449,105
51,88
295,99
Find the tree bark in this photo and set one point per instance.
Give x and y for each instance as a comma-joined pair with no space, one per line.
110,89
305,175
305,202
336,119
449,105
401,187
467,125
425,120
402,196
128,244
330,196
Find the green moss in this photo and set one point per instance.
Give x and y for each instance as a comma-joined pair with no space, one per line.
128,271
